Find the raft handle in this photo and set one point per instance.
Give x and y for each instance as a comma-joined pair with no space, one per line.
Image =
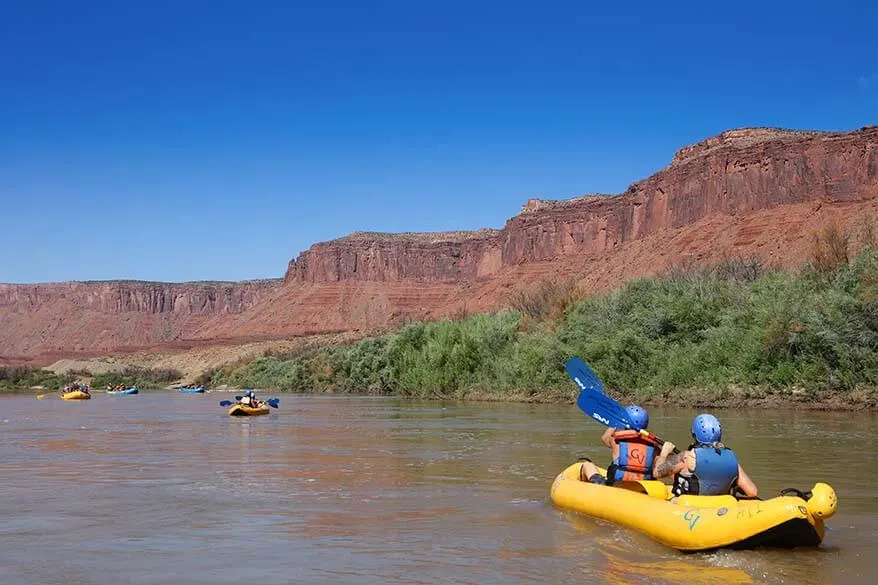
798,493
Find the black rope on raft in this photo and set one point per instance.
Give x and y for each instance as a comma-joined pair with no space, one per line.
798,493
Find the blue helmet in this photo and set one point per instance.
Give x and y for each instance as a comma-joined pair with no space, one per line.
706,429
251,393
638,417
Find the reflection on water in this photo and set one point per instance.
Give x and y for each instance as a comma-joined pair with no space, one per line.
624,567
163,488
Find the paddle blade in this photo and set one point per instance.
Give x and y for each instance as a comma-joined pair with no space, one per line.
593,402
584,376
226,403
603,409
272,402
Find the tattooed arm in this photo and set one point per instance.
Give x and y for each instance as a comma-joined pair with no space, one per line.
668,463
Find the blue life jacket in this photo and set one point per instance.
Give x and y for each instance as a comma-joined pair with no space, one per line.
716,472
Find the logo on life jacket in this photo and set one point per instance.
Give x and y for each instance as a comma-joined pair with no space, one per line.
636,456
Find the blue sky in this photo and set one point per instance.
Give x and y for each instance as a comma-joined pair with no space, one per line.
183,140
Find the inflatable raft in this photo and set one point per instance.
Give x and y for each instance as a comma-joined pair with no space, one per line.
76,395
700,523
243,410
198,390
132,390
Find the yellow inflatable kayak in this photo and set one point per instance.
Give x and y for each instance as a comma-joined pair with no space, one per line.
76,395
700,523
243,410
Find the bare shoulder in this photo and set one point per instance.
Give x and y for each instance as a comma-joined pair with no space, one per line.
690,458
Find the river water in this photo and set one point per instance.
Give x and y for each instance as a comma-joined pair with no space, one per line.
163,488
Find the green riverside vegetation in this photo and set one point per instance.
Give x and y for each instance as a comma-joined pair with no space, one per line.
733,329
20,377
25,377
139,377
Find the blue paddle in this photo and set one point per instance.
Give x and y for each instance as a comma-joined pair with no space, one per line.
583,375
593,402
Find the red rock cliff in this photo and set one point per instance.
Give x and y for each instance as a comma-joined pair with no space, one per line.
737,172
752,192
115,297
104,316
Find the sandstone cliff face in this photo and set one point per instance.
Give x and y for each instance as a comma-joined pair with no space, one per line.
749,192
117,297
390,257
737,172
87,317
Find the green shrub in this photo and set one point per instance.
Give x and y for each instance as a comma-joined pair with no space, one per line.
140,377
23,377
711,328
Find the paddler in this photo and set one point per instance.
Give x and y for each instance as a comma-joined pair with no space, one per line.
707,467
634,454
249,399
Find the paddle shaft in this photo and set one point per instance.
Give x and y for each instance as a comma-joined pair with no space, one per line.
272,402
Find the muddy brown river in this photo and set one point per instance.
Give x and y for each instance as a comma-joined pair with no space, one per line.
165,489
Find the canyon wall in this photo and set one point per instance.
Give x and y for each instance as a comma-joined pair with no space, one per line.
749,192
95,317
737,172
116,297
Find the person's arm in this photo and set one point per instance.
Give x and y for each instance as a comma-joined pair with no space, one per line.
745,484
607,438
668,463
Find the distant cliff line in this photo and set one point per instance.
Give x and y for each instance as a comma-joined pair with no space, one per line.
758,193
756,139
737,172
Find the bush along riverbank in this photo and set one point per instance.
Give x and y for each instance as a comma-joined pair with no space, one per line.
18,378
138,377
733,334
23,378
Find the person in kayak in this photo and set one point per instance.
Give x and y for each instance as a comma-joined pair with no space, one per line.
707,467
634,455
249,399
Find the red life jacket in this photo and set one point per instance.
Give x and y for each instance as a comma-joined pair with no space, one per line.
636,456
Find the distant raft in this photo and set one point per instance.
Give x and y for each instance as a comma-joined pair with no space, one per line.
198,390
244,410
132,390
76,395
701,523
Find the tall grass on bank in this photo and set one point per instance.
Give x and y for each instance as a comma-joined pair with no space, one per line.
23,377
733,325
140,377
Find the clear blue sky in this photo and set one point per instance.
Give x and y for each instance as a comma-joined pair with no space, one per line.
184,140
